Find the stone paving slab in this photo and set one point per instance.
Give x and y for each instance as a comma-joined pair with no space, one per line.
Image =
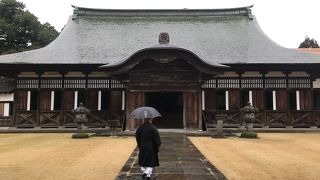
179,160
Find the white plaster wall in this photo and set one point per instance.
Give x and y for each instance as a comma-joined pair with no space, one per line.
6,109
75,105
274,100
123,104
28,100
51,74
99,100
251,74
97,74
250,98
299,74
75,74
298,99
316,83
229,74
27,74
275,74
227,100
6,97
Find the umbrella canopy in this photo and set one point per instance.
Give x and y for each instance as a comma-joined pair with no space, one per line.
144,112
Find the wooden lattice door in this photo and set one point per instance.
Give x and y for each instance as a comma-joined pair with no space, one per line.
191,109
135,100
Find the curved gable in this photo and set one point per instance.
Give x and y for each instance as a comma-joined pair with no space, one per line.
163,55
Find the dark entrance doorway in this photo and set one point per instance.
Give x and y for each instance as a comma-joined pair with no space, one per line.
170,105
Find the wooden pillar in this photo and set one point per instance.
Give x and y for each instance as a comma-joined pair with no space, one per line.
13,118
62,99
86,93
200,110
263,110
288,110
38,99
61,114
312,100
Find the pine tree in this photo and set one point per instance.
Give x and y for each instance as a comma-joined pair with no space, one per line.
309,43
20,30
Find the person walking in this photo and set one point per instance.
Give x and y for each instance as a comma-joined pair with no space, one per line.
148,141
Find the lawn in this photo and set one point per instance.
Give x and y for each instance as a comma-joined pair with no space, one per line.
273,156
57,156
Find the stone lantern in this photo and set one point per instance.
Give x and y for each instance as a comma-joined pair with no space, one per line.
81,115
248,115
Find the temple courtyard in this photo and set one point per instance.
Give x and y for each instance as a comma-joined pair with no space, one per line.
57,156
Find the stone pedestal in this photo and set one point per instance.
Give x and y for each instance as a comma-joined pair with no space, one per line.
219,128
250,127
242,127
220,118
80,127
113,126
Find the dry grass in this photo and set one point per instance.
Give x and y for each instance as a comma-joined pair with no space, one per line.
57,156
274,156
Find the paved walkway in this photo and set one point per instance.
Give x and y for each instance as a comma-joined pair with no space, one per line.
179,160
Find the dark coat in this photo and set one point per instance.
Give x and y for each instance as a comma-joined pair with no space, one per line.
148,140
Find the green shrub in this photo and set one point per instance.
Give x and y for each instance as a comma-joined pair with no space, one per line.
249,135
80,135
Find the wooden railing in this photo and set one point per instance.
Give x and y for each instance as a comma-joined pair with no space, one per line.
267,118
5,121
49,118
316,115
64,118
275,118
25,119
232,117
301,118
67,119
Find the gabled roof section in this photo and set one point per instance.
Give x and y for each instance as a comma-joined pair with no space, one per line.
223,36
168,53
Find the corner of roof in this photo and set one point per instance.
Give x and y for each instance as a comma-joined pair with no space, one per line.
249,12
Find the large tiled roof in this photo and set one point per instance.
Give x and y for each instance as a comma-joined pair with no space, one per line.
97,36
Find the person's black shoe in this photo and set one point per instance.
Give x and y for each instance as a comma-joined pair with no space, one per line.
144,175
148,178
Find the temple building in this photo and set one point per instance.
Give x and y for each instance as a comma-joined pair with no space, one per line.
190,64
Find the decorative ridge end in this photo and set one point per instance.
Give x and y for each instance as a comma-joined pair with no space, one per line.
74,16
249,12
75,12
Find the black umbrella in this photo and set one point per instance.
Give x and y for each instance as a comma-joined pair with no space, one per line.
144,112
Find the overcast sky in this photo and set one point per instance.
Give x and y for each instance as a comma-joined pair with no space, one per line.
286,22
